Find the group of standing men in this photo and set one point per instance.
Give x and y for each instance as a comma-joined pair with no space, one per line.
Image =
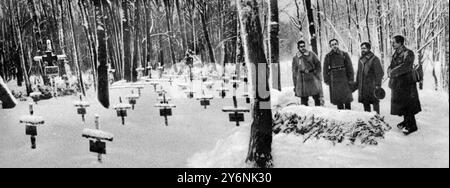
337,72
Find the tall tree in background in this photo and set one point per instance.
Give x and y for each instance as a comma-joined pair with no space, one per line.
181,25
312,26
260,145
349,18
127,41
367,12
445,64
240,59
358,27
88,27
319,30
202,10
37,22
22,67
168,9
379,26
274,44
75,49
137,63
103,85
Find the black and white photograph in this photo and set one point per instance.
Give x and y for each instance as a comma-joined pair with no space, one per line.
224,84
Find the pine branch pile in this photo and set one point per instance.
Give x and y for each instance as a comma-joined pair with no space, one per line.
361,130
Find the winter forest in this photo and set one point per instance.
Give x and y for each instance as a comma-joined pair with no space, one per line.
222,83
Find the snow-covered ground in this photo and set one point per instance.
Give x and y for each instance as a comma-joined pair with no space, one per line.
429,147
426,148
144,141
197,137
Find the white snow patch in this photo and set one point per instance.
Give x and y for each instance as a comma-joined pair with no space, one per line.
81,104
35,94
31,119
228,153
97,134
122,106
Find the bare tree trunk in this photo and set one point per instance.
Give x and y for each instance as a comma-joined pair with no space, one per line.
319,30
260,145
194,33
349,26
404,9
358,28
146,31
4,72
59,20
220,33
380,30
367,11
84,9
116,40
167,6
127,42
36,19
240,60
445,69
274,44
312,26
201,7
75,50
325,17
137,44
298,23
389,28
122,40
103,85
180,21
21,51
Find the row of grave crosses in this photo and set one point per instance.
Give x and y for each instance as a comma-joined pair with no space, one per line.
97,138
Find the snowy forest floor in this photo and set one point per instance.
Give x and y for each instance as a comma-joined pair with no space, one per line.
429,147
144,141
197,137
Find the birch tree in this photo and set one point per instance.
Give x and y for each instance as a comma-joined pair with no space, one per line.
274,44
260,144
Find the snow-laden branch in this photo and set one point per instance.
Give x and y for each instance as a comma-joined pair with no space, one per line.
426,17
223,41
431,40
334,29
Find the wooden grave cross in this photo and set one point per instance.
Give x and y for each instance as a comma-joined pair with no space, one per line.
165,109
121,109
97,139
81,107
31,122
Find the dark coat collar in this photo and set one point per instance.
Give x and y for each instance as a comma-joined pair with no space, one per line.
366,57
306,54
338,52
400,51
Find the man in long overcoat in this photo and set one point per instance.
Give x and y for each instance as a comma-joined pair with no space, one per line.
307,75
338,74
405,97
369,78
